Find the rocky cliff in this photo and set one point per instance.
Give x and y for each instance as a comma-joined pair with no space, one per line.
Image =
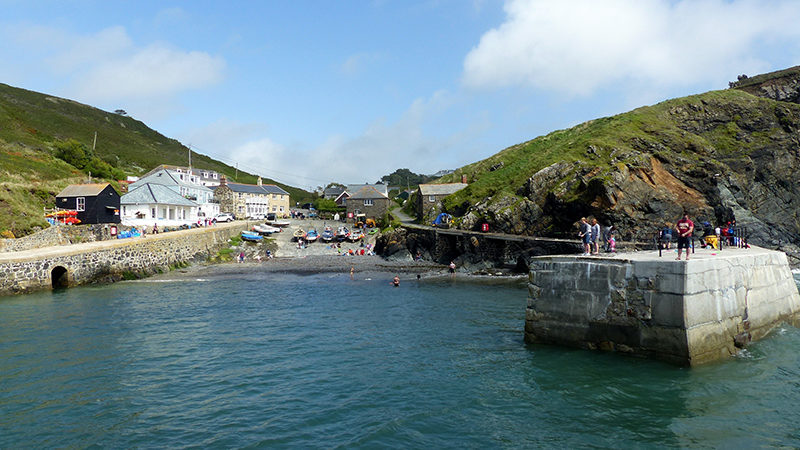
720,156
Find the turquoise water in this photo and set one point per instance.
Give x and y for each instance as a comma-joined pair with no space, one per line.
266,360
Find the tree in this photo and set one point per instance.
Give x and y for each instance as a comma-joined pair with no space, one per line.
73,152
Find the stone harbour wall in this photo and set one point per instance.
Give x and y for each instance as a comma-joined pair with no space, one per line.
78,264
683,312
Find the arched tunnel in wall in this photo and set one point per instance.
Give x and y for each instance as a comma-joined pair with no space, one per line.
59,277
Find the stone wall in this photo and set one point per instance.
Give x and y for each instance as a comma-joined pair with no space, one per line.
61,235
686,313
84,263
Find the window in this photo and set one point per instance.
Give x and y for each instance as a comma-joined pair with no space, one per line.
367,202
153,213
215,175
432,199
81,205
124,210
273,196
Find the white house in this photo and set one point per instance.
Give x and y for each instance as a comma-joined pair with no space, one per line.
186,186
150,204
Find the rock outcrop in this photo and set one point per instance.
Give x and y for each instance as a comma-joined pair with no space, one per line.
720,156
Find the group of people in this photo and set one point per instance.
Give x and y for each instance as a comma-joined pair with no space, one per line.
591,235
684,229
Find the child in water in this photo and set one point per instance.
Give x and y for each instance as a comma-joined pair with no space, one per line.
396,281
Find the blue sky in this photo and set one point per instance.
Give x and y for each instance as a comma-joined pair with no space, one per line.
312,92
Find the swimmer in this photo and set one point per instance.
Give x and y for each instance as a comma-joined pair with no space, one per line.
396,281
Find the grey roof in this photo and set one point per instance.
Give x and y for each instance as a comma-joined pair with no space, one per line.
167,178
255,189
273,189
382,188
333,191
366,192
152,193
441,189
82,190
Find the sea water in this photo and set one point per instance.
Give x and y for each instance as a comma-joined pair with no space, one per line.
275,360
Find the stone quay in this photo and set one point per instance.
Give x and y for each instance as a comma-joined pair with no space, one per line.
76,264
683,312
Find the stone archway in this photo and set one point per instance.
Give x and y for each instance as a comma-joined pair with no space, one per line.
59,277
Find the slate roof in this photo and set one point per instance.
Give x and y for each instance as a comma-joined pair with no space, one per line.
152,193
256,189
441,189
82,190
273,189
382,188
366,192
168,178
333,191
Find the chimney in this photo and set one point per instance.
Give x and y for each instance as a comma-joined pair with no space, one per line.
222,180
464,178
259,181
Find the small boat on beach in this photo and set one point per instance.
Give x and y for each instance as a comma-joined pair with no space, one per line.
341,233
265,229
275,222
312,235
355,235
327,234
251,236
298,234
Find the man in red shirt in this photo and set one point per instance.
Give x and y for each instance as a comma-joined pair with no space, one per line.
685,228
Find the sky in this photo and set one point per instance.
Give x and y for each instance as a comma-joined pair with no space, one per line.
313,92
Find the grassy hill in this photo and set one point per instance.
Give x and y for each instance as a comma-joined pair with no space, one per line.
31,124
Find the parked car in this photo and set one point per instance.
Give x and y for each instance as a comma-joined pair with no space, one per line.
256,216
224,217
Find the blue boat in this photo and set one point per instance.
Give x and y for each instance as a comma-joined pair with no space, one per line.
251,236
327,234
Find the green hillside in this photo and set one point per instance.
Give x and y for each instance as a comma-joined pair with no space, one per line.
610,141
31,124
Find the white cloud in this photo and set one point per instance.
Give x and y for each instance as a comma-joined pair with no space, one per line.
107,66
153,71
379,150
576,46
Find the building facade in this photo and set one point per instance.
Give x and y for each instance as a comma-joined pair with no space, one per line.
249,200
369,201
94,203
430,196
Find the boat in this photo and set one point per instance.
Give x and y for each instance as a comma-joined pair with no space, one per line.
341,233
273,220
327,234
265,229
312,235
355,235
62,213
251,236
372,231
298,234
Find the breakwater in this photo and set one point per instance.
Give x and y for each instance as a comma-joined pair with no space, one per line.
683,312
71,265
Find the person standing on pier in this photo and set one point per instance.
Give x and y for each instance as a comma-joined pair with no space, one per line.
595,237
585,235
685,228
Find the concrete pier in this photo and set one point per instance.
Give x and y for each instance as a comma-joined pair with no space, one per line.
683,312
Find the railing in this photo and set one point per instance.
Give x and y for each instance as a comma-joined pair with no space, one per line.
738,239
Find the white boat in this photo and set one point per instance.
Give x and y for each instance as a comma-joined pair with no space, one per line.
266,229
341,233
281,223
355,235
